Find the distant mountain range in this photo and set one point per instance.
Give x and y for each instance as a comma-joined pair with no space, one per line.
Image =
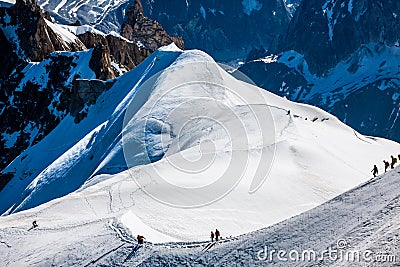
342,56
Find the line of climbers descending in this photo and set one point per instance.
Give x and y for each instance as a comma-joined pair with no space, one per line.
386,164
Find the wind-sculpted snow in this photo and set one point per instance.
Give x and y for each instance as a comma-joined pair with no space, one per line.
175,148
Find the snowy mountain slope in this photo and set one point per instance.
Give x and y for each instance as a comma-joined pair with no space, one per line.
362,220
227,30
328,32
183,126
37,97
366,218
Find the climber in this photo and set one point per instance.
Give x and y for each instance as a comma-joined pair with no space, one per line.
375,171
217,234
394,161
212,236
386,165
140,239
34,224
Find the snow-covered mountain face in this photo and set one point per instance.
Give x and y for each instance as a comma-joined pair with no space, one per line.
342,56
41,86
327,32
178,124
105,15
227,30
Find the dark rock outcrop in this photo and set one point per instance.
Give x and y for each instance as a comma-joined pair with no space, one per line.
85,93
8,58
142,30
124,52
34,39
100,62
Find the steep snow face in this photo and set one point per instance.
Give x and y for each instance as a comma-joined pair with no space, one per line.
178,146
36,98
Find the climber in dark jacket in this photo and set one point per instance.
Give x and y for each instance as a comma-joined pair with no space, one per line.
212,236
394,161
217,234
386,165
375,171
140,239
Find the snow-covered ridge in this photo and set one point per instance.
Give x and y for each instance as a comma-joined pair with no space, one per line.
78,30
66,35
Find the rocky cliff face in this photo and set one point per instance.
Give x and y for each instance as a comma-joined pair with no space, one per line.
145,31
343,56
40,86
24,24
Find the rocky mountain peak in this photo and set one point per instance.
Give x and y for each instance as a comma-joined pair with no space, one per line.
134,12
26,27
144,31
30,5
